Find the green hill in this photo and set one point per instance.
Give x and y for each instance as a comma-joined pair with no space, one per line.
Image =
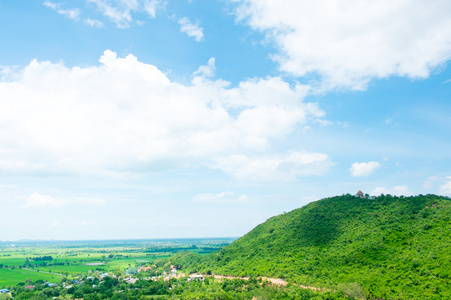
388,247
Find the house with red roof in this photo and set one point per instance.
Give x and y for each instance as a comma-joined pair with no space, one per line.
144,269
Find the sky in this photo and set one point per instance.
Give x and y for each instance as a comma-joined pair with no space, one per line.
141,119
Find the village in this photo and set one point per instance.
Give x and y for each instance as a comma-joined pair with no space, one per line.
98,279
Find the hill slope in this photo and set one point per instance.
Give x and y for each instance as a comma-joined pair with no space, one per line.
391,247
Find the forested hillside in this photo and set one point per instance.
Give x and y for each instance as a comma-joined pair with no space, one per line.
388,247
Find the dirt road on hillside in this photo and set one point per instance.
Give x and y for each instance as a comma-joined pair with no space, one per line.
276,281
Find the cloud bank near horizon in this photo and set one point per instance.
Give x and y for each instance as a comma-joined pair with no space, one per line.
345,44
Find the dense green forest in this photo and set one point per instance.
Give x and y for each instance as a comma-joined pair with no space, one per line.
388,247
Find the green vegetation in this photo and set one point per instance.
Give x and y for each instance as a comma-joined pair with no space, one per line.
112,288
342,247
12,277
388,247
34,260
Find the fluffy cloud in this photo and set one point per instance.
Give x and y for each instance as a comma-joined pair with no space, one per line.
191,29
220,197
36,200
120,11
207,70
347,43
212,197
445,188
364,169
286,167
127,116
151,6
438,185
399,190
70,13
94,23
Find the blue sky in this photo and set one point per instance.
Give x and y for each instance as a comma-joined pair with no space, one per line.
168,119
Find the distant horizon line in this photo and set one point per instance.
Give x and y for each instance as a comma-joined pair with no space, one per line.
118,239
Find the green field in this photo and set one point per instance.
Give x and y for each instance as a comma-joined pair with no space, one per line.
23,262
12,277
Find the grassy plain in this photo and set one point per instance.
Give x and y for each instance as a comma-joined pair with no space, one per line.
10,277
28,261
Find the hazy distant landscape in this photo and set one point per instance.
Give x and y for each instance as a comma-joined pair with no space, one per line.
23,261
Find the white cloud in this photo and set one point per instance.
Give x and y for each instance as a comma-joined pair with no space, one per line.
222,197
343,124
347,43
151,6
438,185
322,123
120,15
94,23
243,198
206,70
364,169
430,182
284,167
70,13
120,11
399,190
127,116
36,200
191,29
445,188
212,197
8,186
56,223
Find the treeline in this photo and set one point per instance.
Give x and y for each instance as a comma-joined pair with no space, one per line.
43,258
192,248
112,288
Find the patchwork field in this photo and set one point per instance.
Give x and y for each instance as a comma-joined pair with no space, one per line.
24,262
13,276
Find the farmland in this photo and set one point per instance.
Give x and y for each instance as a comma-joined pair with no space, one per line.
28,261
